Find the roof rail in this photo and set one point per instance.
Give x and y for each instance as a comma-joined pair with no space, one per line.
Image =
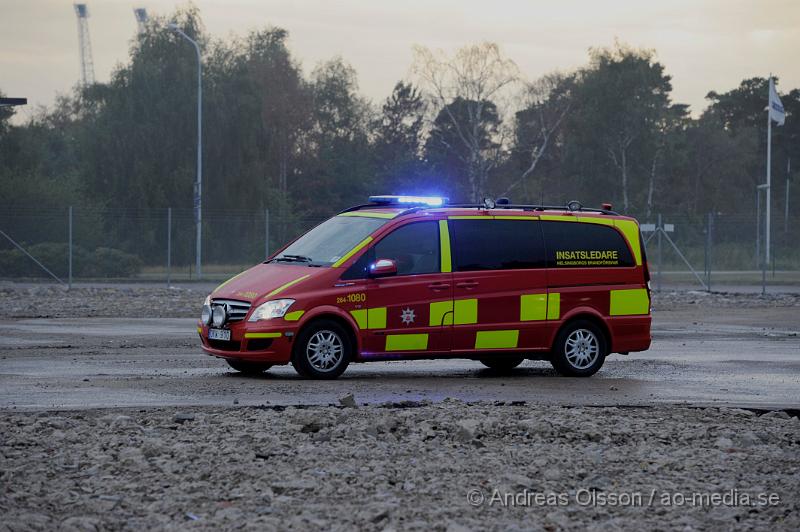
572,206
526,207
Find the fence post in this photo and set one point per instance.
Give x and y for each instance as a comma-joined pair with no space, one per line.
69,225
709,244
658,233
169,246
266,233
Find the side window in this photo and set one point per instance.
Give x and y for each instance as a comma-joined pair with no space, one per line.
497,245
576,245
414,247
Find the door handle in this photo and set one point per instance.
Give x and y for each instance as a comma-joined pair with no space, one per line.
437,287
467,284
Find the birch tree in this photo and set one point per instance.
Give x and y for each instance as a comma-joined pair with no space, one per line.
476,77
545,104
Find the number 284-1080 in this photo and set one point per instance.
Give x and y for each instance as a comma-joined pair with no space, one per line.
358,297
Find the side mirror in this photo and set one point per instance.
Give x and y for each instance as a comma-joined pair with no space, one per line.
383,268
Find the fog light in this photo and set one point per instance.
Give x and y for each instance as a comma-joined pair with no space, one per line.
219,315
205,316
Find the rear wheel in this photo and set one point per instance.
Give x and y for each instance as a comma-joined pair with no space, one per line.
323,350
249,368
580,349
502,363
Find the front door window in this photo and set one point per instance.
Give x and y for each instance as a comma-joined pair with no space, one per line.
403,314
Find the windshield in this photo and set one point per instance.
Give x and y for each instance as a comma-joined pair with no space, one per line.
330,240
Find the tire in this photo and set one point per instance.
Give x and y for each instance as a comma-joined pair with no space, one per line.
580,349
502,363
323,350
248,368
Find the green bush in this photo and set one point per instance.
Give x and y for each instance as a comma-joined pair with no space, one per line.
53,255
102,262
110,262
12,263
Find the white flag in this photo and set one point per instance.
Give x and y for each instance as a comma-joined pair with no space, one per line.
776,111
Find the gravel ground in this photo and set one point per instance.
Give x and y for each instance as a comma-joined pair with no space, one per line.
49,301
685,300
405,466
414,466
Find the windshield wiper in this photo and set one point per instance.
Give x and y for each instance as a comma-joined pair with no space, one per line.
293,258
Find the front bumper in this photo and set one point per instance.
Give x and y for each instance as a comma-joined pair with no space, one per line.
254,342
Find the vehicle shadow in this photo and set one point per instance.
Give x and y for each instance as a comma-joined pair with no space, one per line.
363,372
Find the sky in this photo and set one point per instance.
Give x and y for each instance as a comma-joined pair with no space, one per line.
704,44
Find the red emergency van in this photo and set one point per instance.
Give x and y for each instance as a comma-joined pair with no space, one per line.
414,277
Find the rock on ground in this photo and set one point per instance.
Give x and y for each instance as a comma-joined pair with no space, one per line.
446,466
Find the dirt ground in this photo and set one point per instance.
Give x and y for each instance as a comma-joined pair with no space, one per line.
441,445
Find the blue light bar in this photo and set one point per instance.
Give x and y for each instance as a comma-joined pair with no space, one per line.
430,201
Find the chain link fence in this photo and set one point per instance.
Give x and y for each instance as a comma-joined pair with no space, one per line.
159,245
136,244
719,249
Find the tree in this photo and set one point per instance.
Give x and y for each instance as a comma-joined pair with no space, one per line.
304,146
621,98
471,80
5,115
338,167
711,173
285,99
546,103
450,159
398,139
138,132
741,112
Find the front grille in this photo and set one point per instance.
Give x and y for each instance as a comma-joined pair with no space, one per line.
236,310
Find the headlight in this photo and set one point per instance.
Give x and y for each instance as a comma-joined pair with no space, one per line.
205,315
271,309
219,315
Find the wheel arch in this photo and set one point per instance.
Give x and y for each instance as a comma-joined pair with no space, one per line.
337,315
589,315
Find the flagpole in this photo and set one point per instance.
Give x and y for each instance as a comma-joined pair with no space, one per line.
786,213
769,173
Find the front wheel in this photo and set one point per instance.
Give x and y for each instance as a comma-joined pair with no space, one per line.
323,350
580,349
248,368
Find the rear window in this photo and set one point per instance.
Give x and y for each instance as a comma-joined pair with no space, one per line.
496,245
575,244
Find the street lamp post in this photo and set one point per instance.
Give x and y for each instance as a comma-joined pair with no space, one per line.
198,187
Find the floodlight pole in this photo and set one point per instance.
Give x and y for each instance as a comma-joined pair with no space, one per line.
198,187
